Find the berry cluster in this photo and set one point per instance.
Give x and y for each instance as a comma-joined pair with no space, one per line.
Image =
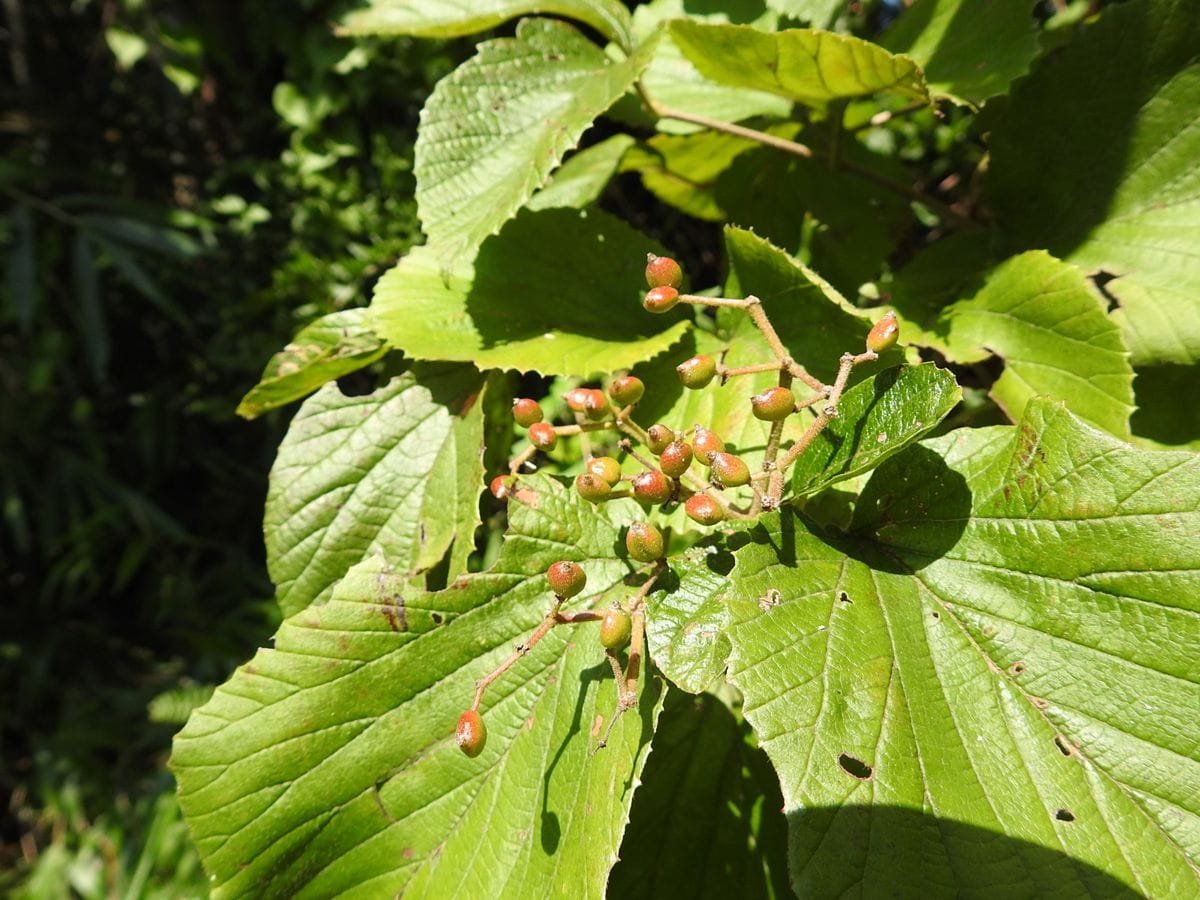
669,474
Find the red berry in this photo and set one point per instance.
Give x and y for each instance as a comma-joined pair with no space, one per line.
729,470
653,487
542,436
706,443
697,372
605,467
615,628
774,404
576,399
704,509
595,404
526,412
592,487
658,437
471,733
884,334
566,579
662,270
661,299
644,542
501,485
627,389
675,458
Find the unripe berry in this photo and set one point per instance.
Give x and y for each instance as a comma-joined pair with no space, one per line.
703,509
729,470
627,389
576,399
527,412
566,579
471,733
774,404
604,467
652,487
592,487
660,299
595,404
615,628
644,542
542,436
705,443
675,458
501,485
658,437
662,270
884,334
697,372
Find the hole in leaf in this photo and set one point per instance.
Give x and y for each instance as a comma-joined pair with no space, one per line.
1065,815
844,597
1017,668
437,617
1061,743
1101,280
935,615
357,384
854,767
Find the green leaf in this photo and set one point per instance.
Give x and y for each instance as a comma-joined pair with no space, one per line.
1002,655
817,13
453,18
494,129
877,418
1049,326
397,470
126,46
970,49
332,346
327,766
683,170
940,274
557,292
674,82
581,179
706,786
1126,202
810,67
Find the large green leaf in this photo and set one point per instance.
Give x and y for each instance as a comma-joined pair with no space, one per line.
969,49
1003,653
811,67
557,291
332,346
494,129
583,177
1126,199
877,418
1049,326
705,786
327,766
397,470
455,18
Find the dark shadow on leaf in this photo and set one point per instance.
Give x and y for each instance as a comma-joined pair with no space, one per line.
886,851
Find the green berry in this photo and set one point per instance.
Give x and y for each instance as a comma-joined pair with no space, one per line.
604,467
644,542
658,437
627,389
697,372
884,334
729,470
675,458
661,299
662,270
703,509
705,443
774,404
592,487
595,404
566,579
542,435
526,412
615,628
471,733
501,486
653,487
